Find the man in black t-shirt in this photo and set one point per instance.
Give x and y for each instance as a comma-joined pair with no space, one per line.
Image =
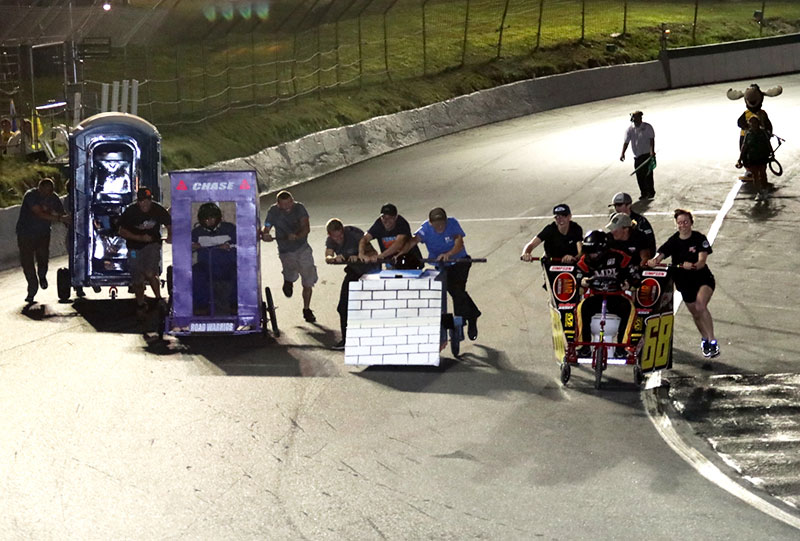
392,232
140,226
622,202
627,239
562,238
342,246
40,208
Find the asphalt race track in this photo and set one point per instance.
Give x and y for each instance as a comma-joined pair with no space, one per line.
107,434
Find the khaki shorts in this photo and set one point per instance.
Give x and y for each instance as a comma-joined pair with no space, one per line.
299,263
144,263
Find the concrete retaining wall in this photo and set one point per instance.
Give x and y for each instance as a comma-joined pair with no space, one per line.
320,153
692,66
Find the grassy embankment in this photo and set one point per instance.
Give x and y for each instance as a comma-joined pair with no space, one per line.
244,132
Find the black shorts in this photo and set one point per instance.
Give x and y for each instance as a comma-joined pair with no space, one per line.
690,282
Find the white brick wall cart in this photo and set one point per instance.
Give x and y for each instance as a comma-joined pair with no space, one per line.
394,318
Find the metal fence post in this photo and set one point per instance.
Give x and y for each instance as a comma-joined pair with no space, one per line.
694,23
625,18
205,77
539,26
424,40
583,20
502,27
178,92
253,67
466,29
337,44
386,40
149,82
761,22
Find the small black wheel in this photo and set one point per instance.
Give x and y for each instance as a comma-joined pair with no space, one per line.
271,312
169,281
638,375
566,372
776,167
163,309
599,361
455,342
62,284
96,289
113,293
264,318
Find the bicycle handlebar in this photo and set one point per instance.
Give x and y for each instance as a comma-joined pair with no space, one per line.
427,260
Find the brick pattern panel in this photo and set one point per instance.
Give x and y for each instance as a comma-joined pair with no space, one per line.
395,321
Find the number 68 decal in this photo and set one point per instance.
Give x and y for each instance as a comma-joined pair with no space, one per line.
657,342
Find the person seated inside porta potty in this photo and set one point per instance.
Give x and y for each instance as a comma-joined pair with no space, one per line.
214,272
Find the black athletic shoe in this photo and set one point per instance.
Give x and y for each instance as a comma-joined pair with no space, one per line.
472,328
338,346
288,287
705,347
308,315
43,282
584,351
620,353
79,292
29,299
713,349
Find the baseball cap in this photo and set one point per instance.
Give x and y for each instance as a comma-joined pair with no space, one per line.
562,209
436,215
143,193
389,209
621,198
618,221
637,113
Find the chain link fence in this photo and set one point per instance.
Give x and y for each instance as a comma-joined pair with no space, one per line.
200,63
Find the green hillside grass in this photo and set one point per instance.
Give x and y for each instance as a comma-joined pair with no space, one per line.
412,81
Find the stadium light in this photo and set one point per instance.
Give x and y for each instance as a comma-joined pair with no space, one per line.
107,5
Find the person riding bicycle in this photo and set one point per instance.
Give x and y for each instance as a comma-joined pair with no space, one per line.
214,273
609,272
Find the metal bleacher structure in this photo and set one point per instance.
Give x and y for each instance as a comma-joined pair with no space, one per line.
50,37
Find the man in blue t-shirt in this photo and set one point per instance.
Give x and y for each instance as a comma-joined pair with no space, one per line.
40,208
444,239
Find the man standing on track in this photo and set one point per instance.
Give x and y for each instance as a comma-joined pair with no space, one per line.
642,138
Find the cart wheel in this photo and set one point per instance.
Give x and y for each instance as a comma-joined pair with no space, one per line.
163,309
566,372
599,361
455,342
264,319
776,167
62,284
271,312
638,375
169,281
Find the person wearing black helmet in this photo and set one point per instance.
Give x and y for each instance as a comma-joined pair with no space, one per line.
606,270
214,273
